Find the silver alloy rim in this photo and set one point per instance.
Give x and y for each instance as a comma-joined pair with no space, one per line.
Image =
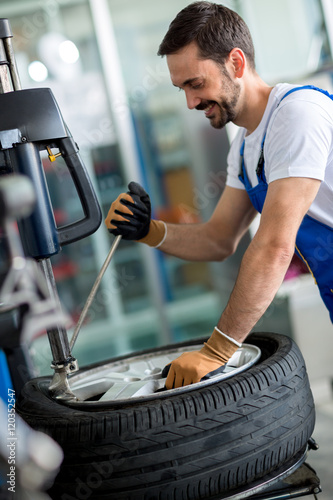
138,377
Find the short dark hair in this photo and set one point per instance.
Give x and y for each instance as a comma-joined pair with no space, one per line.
215,28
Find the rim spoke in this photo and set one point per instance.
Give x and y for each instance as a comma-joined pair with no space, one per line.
130,390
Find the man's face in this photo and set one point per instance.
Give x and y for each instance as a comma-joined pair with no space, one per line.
207,85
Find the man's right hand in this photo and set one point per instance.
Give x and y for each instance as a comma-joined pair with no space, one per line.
130,217
130,214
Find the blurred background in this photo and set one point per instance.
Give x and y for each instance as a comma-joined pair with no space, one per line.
99,58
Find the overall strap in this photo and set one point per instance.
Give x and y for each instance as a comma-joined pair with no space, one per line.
304,87
242,171
260,171
260,167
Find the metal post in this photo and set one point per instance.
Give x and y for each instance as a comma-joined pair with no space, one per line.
9,77
12,64
57,336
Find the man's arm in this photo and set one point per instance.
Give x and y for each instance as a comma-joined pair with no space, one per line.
130,216
216,239
268,256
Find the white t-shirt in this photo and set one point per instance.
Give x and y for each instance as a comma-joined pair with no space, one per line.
299,143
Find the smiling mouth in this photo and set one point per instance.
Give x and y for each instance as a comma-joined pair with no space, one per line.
209,109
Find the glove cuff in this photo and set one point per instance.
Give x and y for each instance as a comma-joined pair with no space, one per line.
220,347
238,344
156,234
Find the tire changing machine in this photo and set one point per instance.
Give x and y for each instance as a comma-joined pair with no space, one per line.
30,121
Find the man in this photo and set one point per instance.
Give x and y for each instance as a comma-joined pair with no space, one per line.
280,164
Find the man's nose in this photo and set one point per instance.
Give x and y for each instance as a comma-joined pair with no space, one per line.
192,100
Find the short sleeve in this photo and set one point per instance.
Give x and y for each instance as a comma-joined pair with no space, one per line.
298,139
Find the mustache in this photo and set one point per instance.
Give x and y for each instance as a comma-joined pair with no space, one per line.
204,104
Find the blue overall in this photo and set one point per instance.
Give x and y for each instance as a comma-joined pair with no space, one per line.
314,241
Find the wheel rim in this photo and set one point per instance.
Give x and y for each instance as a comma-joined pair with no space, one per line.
140,377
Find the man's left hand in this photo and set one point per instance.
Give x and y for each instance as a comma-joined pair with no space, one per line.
191,367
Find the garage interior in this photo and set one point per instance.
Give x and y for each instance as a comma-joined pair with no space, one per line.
130,123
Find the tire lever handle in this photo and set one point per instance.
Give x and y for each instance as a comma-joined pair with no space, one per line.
94,291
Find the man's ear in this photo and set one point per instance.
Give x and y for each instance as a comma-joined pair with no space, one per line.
237,61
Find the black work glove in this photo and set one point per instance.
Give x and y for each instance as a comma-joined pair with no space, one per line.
130,214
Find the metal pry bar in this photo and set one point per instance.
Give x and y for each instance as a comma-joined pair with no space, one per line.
94,291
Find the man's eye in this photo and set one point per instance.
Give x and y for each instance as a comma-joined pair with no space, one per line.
197,86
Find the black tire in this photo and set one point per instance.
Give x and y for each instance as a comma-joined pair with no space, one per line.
194,445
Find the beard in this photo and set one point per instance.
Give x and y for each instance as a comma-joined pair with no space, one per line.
225,111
